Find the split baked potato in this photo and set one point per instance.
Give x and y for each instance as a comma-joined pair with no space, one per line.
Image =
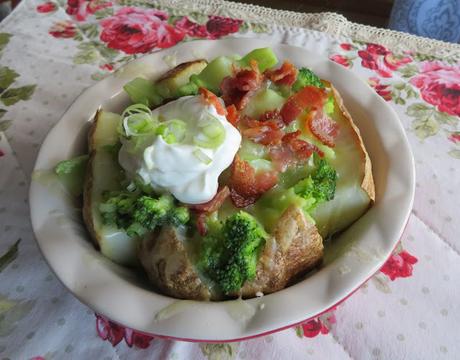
168,255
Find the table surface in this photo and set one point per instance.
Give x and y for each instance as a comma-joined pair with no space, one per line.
51,51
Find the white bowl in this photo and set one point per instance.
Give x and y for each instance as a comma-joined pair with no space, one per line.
124,297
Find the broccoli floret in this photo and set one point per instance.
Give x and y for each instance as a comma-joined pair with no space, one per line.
230,258
306,77
150,212
139,213
179,216
319,186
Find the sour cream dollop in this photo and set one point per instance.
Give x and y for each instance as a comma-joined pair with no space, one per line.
176,167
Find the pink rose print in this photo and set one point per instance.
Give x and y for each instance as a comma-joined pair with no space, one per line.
190,28
108,67
382,90
382,61
313,328
114,333
63,29
218,26
137,339
46,7
135,30
454,137
399,265
38,358
2,153
346,46
81,8
317,326
107,330
439,85
342,60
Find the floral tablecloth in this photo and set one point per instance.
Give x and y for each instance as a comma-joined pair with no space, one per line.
51,51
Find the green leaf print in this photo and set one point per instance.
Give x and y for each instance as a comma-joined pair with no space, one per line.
11,312
7,77
425,127
258,28
13,95
408,71
381,283
9,256
89,30
454,153
4,39
226,351
427,120
103,13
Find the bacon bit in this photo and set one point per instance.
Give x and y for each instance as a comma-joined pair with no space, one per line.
292,150
201,223
309,96
215,203
323,128
264,135
303,149
233,116
237,89
247,186
240,201
266,132
272,115
211,99
285,75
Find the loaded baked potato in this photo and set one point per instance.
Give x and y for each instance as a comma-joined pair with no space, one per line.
230,189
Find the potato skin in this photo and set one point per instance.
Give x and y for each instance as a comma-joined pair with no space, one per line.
168,266
294,248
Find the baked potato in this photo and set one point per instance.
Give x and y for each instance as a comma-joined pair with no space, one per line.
294,246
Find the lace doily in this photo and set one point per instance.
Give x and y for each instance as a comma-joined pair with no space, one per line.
330,23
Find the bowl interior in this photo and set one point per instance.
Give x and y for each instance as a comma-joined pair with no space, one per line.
125,297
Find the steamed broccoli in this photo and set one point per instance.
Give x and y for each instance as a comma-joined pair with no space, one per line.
306,77
319,186
138,214
230,257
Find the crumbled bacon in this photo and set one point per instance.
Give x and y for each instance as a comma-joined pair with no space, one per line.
323,128
201,210
285,75
264,135
266,132
237,89
215,203
211,99
272,115
201,223
307,97
233,116
292,150
247,185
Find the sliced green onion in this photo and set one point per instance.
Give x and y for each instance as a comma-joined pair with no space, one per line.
131,187
173,131
138,120
212,133
200,155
